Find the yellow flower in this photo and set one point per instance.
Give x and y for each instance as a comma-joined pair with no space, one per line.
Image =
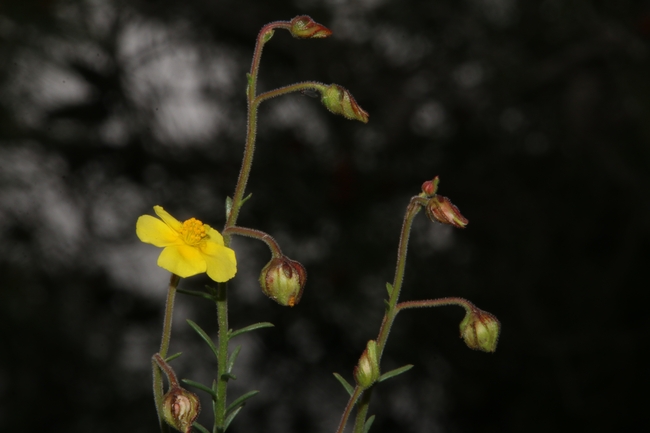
190,247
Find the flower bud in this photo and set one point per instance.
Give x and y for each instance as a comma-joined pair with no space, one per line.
339,101
283,280
430,187
367,370
303,27
180,409
480,330
441,209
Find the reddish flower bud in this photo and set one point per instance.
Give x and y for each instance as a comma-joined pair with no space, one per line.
339,101
480,330
303,27
367,370
180,409
441,209
430,187
283,280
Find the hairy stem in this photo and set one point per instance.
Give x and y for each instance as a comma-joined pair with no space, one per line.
256,234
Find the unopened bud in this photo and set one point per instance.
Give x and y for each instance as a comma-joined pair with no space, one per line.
430,187
480,330
441,209
180,409
283,280
367,370
339,101
303,27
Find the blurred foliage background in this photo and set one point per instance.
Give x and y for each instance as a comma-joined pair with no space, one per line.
535,114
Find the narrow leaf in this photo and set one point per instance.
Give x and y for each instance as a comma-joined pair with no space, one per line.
369,421
200,386
240,401
229,200
174,356
205,337
245,199
251,328
395,372
196,293
231,417
349,388
199,427
228,376
232,358
389,288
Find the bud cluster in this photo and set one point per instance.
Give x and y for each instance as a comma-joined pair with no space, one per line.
439,208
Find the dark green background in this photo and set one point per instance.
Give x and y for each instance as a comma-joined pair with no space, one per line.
536,116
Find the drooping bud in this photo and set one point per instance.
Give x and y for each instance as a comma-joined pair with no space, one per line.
430,187
180,409
283,280
480,330
441,209
367,370
339,101
303,27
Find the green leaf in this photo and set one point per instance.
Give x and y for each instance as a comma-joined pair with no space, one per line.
200,386
389,287
387,304
251,328
369,421
231,417
232,358
205,337
349,388
228,376
395,372
196,293
174,356
199,427
240,401
245,199
228,199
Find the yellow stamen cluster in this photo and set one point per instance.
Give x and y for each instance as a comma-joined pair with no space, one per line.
193,231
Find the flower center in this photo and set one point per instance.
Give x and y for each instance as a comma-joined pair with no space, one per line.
193,231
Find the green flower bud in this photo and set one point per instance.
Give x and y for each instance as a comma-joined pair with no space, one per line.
180,409
303,27
283,280
367,370
441,209
339,101
480,330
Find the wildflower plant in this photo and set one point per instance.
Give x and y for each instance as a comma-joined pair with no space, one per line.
192,247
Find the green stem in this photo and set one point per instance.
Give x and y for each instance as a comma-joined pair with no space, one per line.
256,234
414,206
461,302
158,390
297,87
222,382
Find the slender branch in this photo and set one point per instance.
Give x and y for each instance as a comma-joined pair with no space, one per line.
256,234
461,302
167,369
158,391
348,409
297,87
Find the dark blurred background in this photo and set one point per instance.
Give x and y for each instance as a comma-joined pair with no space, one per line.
535,114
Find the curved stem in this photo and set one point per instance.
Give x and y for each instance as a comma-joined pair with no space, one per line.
167,369
256,234
297,87
461,302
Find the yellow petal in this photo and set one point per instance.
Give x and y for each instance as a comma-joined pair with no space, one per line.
182,260
213,235
221,261
167,218
153,231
